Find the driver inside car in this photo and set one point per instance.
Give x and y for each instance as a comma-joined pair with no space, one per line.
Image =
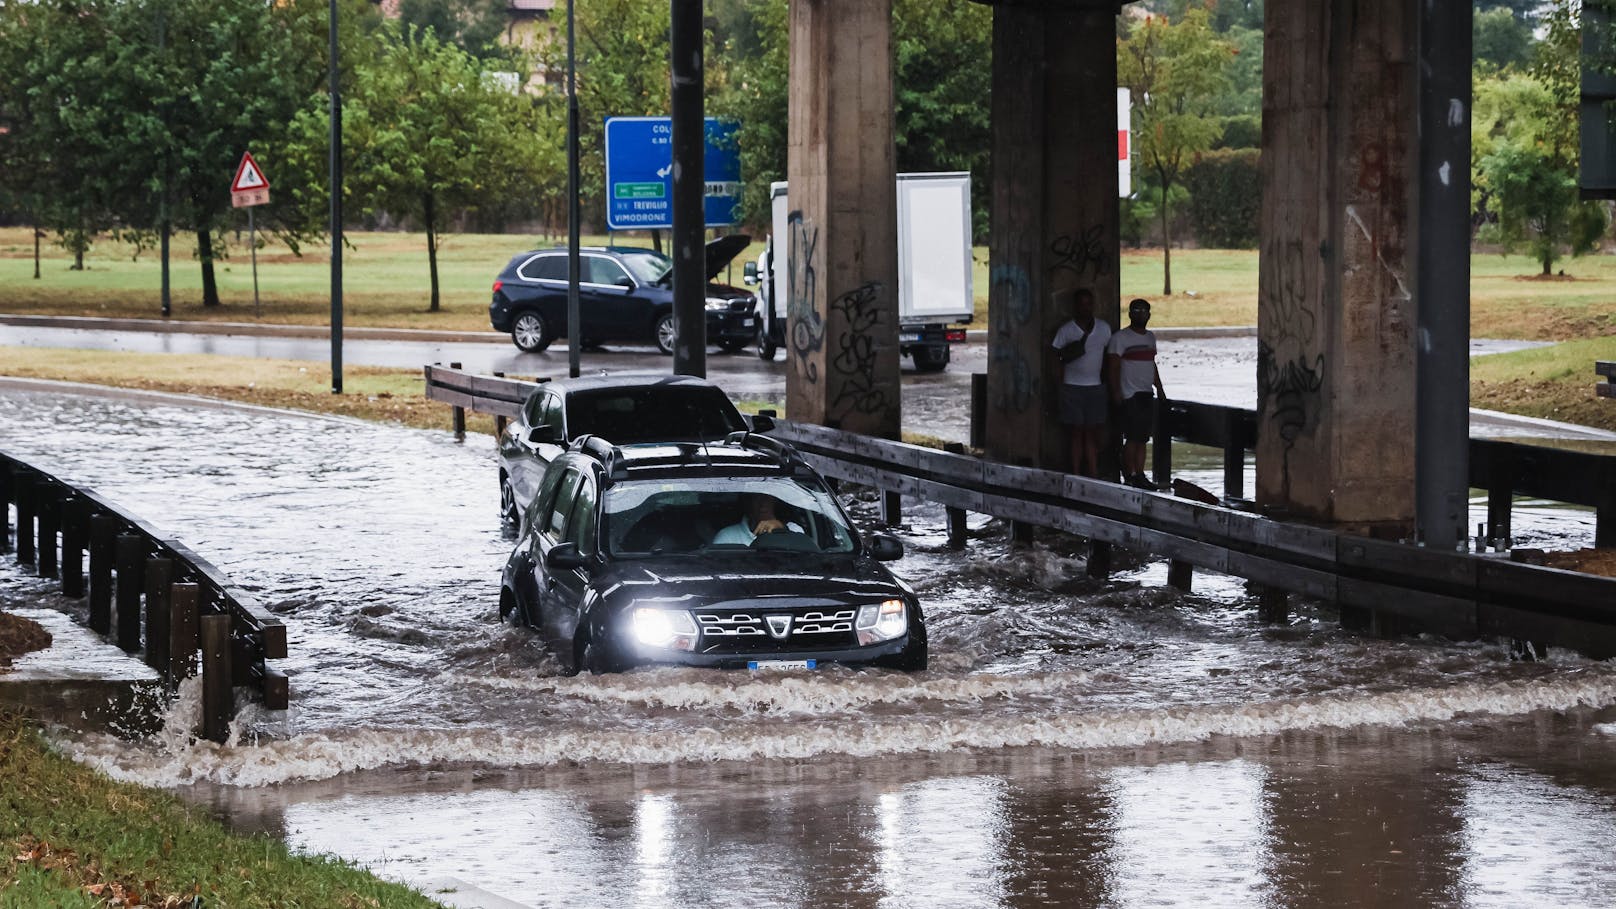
758,519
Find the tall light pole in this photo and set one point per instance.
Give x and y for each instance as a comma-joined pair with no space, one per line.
336,212
689,220
574,329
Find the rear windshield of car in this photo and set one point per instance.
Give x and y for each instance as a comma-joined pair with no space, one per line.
647,266
718,514
652,414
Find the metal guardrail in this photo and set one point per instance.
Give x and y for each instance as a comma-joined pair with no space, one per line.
1607,388
147,591
1455,593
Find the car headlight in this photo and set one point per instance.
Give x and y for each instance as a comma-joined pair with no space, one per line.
881,622
717,304
671,628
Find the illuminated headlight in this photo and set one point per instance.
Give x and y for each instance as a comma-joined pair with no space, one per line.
881,622
671,628
717,304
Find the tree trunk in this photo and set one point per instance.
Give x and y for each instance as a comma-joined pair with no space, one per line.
204,251
37,234
431,248
1548,265
1167,248
656,240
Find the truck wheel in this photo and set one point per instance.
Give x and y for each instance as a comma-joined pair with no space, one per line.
765,345
931,359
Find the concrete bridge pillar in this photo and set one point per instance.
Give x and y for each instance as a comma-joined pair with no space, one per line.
1336,318
1054,217
841,252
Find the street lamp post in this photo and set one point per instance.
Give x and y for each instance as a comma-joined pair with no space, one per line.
336,212
574,330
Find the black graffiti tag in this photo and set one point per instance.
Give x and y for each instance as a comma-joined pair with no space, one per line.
807,326
854,358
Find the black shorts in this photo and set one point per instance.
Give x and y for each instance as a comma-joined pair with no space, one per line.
1138,416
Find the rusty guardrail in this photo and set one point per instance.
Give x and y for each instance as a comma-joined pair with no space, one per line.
1374,582
148,592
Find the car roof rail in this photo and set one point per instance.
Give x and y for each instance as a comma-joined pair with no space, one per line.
609,455
747,439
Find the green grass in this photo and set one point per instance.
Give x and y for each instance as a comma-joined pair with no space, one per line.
73,837
1555,382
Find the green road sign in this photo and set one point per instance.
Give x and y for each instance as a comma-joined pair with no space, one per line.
639,190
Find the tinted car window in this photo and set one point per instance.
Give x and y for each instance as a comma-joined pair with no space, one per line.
557,520
603,271
581,527
551,414
544,268
653,415
661,516
647,265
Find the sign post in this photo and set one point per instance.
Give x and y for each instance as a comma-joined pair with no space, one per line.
247,190
639,173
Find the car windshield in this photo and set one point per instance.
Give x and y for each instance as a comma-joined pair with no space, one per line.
655,517
653,414
647,266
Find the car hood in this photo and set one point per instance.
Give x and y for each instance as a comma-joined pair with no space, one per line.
695,582
724,249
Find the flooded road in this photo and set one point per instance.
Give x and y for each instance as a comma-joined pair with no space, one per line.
1074,743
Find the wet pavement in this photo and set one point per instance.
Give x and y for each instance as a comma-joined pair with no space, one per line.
1074,743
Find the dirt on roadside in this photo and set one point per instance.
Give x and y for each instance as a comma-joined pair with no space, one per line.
1600,561
19,636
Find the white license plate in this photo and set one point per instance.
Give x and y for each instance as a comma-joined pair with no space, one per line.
781,664
746,323
906,337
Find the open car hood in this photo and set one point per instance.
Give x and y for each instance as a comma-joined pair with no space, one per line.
722,250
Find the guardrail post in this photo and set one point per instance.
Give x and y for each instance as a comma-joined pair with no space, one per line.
459,416
131,555
891,508
216,680
1605,515
955,516
48,517
159,605
1161,445
24,486
500,420
1099,566
73,541
1500,497
183,642
979,410
1234,456
6,495
276,690
103,533
1273,605
1180,575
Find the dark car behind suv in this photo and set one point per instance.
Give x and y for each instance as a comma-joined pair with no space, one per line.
624,294
624,409
730,554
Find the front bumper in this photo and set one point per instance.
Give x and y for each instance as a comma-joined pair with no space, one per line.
640,654
731,326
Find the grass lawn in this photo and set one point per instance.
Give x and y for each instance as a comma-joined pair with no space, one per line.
386,284
74,838
1555,383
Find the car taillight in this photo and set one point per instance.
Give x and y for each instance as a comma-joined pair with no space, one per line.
498,285
955,336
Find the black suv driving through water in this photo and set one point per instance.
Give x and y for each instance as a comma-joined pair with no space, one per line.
731,554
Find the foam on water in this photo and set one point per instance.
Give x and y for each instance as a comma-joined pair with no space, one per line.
324,755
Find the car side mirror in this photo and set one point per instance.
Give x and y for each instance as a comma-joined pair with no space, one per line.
544,434
749,274
761,423
564,557
882,548
625,282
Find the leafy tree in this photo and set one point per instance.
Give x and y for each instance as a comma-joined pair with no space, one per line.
475,26
942,76
754,37
1500,39
1175,72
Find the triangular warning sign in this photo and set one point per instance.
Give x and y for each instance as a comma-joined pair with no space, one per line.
248,176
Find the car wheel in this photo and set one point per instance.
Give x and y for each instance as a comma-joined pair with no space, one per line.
510,520
662,334
595,658
930,359
913,657
509,611
765,346
530,332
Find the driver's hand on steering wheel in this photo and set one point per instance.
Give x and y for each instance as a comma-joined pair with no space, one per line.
768,525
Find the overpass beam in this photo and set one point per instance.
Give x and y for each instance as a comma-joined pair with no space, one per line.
841,252
1336,297
1054,210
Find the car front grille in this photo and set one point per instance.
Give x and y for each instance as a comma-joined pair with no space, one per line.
754,629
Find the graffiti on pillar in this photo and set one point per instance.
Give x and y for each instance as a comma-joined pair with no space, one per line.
806,324
853,356
1082,254
1016,379
1290,368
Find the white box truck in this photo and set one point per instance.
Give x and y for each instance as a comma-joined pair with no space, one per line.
934,269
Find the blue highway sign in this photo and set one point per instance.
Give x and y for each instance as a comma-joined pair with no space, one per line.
639,173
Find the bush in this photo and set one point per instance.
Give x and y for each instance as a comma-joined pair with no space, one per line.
1241,131
1225,198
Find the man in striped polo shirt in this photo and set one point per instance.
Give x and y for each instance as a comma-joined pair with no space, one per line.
1132,361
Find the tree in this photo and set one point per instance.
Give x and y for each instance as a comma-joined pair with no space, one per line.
1500,39
942,77
1175,72
474,26
753,36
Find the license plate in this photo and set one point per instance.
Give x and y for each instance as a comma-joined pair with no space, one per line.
781,664
906,337
746,323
